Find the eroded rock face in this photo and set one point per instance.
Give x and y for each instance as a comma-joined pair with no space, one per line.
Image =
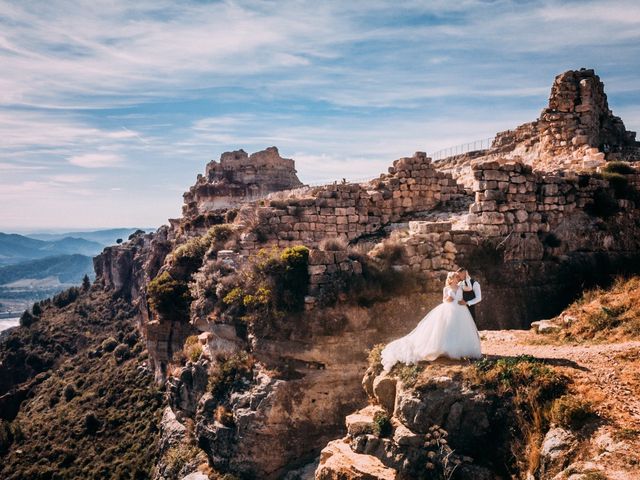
434,431
239,177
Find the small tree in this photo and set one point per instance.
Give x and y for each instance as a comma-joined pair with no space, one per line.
26,319
86,283
119,241
36,309
169,297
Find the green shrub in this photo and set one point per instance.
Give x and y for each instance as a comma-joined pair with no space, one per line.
27,319
408,374
69,392
66,297
604,205
604,318
221,233
179,456
191,253
168,297
234,297
91,423
382,424
192,348
36,309
122,352
229,374
109,344
375,357
623,168
571,412
516,374
276,282
618,182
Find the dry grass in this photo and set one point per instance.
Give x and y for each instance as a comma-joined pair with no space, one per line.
532,387
609,315
192,348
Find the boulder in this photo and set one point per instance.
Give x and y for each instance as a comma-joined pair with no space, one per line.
384,391
554,453
339,462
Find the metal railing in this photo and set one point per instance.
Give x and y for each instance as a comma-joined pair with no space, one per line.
482,144
461,149
321,183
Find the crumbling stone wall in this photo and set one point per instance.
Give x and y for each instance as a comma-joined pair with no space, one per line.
350,211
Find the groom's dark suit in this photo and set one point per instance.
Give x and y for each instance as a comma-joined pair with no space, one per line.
470,295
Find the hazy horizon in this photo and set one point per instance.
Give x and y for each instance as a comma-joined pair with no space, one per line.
108,112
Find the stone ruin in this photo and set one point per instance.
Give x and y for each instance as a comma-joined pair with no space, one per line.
533,228
536,215
239,177
576,131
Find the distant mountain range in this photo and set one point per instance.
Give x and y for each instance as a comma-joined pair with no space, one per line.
15,248
103,237
47,272
36,266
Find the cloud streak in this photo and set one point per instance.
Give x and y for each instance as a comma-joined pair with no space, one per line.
156,88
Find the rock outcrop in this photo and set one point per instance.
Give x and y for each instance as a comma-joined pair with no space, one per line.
576,131
260,374
239,177
444,428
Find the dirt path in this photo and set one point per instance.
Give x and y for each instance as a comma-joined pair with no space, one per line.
606,374
608,366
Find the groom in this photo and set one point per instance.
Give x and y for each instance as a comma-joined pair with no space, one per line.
471,293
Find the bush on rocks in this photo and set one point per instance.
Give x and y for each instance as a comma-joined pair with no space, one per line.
122,352
170,298
69,392
571,412
109,344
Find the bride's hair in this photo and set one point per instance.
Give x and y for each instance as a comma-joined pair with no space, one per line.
450,275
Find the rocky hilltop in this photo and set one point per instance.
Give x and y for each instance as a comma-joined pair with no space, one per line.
239,177
258,306
577,130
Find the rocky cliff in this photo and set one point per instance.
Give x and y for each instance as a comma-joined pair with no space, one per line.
554,403
258,305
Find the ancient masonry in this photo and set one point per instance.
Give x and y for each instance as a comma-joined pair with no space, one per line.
240,177
576,131
536,183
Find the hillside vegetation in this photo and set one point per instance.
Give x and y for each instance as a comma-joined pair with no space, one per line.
88,404
601,315
69,269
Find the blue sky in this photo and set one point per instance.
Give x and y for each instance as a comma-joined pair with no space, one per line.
109,109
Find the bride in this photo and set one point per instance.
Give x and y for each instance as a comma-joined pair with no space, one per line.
446,331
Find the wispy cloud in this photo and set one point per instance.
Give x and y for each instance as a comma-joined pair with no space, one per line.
158,88
96,160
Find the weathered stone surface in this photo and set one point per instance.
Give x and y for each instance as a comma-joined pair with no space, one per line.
555,451
384,391
239,177
339,462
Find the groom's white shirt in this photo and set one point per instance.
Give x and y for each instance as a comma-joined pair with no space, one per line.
476,291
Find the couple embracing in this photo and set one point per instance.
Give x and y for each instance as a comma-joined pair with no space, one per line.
448,330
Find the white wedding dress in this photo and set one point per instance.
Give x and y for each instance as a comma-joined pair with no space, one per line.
446,331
